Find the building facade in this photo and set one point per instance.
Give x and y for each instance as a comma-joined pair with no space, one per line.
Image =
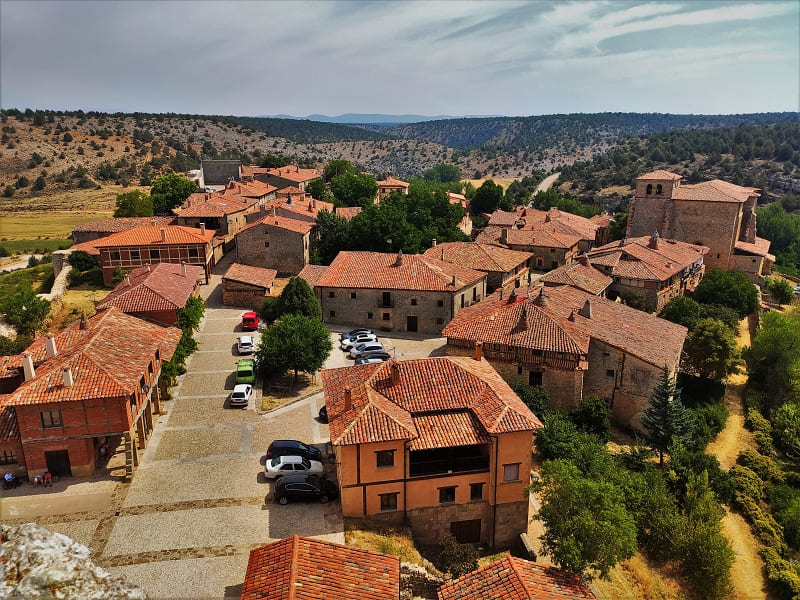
275,242
247,286
502,266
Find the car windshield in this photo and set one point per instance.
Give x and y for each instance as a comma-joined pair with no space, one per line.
238,395
275,462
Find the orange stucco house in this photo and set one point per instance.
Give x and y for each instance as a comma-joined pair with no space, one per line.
442,444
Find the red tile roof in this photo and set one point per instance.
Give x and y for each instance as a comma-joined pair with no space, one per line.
89,247
391,182
760,247
252,170
377,270
307,207
257,276
312,273
150,235
543,236
448,430
296,225
285,191
347,212
107,359
296,174
514,578
557,221
646,258
480,257
601,220
9,431
122,224
660,174
301,568
381,410
161,286
582,276
715,190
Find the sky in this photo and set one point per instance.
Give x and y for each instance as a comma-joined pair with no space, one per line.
429,58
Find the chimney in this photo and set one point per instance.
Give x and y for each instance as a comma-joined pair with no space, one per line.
84,323
273,212
586,311
68,379
27,366
504,235
289,198
501,292
395,371
454,281
163,234
584,259
314,202
348,399
433,243
653,241
399,261
50,345
128,280
310,207
202,229
183,269
478,351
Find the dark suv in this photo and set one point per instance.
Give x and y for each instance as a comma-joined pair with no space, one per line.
304,486
294,448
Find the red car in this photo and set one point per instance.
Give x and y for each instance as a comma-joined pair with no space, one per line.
250,321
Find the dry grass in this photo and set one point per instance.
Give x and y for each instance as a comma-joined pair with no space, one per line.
490,558
74,303
501,181
397,542
284,390
636,579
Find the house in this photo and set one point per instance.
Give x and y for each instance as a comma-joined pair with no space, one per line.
216,174
465,225
243,285
301,206
442,444
550,248
151,244
275,242
304,568
650,268
716,214
94,230
512,577
590,233
155,292
389,185
291,175
72,390
396,292
580,274
501,265
312,273
573,343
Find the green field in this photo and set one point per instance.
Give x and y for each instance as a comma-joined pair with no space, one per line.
34,246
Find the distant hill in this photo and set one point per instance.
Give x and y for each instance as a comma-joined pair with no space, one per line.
306,131
372,118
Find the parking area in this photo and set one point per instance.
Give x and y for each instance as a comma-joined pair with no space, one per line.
400,346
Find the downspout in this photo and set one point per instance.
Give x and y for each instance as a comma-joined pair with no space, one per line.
494,504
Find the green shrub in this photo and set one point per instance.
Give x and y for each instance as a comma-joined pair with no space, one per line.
12,346
781,574
535,397
81,260
593,416
763,524
780,289
94,277
785,504
557,438
746,483
786,429
764,466
456,559
709,420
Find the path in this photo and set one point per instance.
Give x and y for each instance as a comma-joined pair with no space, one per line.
546,183
20,262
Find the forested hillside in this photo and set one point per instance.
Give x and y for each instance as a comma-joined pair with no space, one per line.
308,132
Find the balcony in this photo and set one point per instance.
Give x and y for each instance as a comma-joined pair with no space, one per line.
446,461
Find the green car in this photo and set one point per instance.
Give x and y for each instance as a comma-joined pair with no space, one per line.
245,371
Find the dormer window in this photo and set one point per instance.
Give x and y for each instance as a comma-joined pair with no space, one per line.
649,190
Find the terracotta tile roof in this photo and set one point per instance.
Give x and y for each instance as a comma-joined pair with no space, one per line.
514,578
480,257
107,359
377,270
302,568
122,224
503,218
296,174
759,248
636,258
552,220
391,182
257,276
252,170
381,410
715,190
601,220
544,235
161,286
307,207
582,276
291,190
150,235
448,430
312,273
660,174
347,212
252,189
89,247
9,432
296,225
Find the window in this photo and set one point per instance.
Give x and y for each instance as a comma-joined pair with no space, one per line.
158,356
155,254
474,294
352,295
331,313
7,457
389,501
143,386
331,294
385,316
511,472
519,369
369,315
659,189
150,369
440,303
462,300
535,378
609,372
113,255
552,250
266,244
413,302
193,253
606,353
476,491
447,494
384,458
649,189
135,255
50,418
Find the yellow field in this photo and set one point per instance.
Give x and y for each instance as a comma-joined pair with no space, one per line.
501,181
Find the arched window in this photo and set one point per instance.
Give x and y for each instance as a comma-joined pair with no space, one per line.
659,189
649,189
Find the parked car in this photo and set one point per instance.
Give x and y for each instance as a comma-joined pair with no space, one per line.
372,357
245,370
352,332
288,464
797,290
293,447
366,348
245,344
241,395
358,339
304,486
250,321
323,413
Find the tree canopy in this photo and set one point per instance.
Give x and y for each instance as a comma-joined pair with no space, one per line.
710,349
297,298
170,191
24,310
293,343
665,419
442,173
133,204
773,359
487,197
728,288
338,167
354,190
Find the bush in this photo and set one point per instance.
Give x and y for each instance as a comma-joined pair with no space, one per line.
557,438
728,288
33,262
780,289
746,483
593,416
82,261
269,310
8,191
456,559
786,429
781,574
94,277
785,504
12,346
763,466
535,397
709,420
21,182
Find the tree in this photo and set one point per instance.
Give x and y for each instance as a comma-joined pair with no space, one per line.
24,310
773,359
593,416
8,191
134,204
273,161
780,289
189,317
442,173
293,343
332,237
12,346
40,183
710,349
665,418
338,167
487,197
297,298
170,191
588,528
320,191
354,190
535,397
728,288
617,229
82,260
21,182
683,311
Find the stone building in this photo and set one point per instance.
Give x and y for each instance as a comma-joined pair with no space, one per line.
579,274
442,444
550,249
573,343
291,175
716,214
396,292
589,232
650,268
94,230
275,242
247,286
72,390
502,266
389,185
216,174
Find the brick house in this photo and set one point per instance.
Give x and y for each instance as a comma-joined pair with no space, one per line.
155,292
304,568
247,286
95,379
716,214
442,444
512,577
573,343
656,270
291,175
94,230
550,248
389,185
580,274
150,244
275,242
396,292
501,265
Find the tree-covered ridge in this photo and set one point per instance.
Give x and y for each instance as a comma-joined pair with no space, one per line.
309,132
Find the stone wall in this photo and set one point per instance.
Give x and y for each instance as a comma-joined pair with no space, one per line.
416,582
512,519
235,293
273,247
430,524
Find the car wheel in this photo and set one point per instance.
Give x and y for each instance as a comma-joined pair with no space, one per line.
283,500
323,499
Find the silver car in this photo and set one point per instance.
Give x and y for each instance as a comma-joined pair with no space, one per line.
358,339
366,348
288,464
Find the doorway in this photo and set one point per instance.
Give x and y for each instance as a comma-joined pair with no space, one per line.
411,323
58,463
466,532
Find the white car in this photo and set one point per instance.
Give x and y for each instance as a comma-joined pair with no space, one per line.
288,464
366,348
241,394
358,339
245,344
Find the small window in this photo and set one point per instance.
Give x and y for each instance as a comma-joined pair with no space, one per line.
649,189
331,313
389,501
150,369
659,189
8,457
135,255
609,372
606,353
447,494
352,295
50,418
474,294
369,315
266,244
384,458
552,250
331,294
155,254
535,378
519,369
476,491
158,356
132,401
511,472
113,255
440,303
439,321
413,302
193,253
385,316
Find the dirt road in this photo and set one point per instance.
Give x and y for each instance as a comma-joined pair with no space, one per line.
547,182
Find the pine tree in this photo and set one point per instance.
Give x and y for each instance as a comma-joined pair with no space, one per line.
666,417
297,298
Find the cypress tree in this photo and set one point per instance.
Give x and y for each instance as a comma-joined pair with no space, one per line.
666,417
